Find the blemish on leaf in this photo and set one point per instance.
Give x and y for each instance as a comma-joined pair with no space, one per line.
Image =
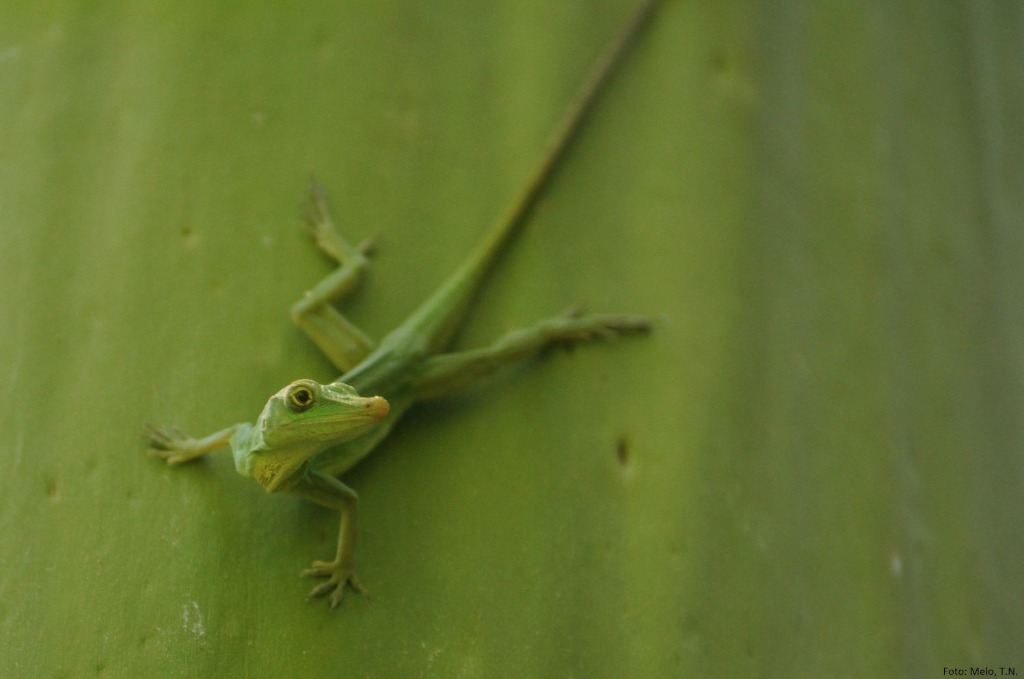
622,451
189,236
192,620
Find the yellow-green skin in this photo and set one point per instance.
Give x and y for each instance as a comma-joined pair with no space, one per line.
308,433
298,423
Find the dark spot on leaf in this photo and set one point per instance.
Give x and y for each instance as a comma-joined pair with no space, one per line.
189,236
622,451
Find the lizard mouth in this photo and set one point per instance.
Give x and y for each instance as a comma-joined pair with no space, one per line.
377,407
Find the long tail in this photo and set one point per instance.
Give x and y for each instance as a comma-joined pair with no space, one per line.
438,317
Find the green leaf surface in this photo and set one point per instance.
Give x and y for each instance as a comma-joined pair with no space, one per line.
811,468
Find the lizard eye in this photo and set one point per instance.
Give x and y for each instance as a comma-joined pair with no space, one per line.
300,398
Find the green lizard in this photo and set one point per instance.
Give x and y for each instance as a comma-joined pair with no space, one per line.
308,433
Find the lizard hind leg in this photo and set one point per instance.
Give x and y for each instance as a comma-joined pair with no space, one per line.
341,341
448,373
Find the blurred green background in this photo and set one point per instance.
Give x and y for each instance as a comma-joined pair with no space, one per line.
812,468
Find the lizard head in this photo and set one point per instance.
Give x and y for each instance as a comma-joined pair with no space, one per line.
302,420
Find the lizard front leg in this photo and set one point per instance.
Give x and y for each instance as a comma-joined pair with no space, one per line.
175,446
330,492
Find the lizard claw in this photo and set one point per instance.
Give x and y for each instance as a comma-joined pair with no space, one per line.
168,443
171,444
338,578
321,227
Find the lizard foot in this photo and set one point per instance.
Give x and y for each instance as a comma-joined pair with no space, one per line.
171,444
325,234
338,578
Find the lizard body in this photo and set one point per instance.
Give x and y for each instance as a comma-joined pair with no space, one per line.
308,433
